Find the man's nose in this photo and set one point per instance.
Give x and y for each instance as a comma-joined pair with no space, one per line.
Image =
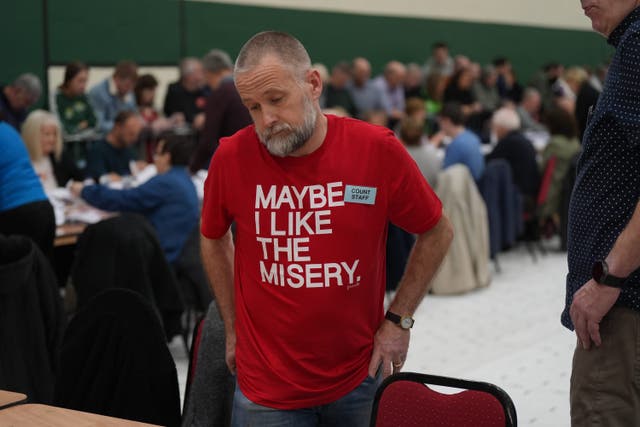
269,117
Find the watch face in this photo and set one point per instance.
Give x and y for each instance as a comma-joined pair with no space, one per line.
406,322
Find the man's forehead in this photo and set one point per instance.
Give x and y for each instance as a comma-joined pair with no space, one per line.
264,79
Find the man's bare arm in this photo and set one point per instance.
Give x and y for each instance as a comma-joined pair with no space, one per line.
217,258
391,342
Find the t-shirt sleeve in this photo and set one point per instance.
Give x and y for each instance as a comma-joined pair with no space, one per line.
413,205
216,218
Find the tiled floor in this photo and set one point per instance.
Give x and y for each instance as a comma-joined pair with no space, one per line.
508,334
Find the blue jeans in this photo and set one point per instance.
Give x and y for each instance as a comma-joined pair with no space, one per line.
352,410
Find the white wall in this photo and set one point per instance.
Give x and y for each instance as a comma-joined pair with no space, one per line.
565,14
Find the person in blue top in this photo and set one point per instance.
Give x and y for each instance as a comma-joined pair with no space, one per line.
464,147
169,200
24,207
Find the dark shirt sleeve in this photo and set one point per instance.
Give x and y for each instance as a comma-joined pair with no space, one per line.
140,199
170,101
96,165
214,113
66,169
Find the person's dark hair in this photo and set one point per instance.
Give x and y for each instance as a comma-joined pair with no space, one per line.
342,66
453,112
144,82
123,116
126,70
439,45
500,61
284,46
71,70
180,147
560,122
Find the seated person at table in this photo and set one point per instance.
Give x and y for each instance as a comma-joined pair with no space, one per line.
188,95
168,200
43,138
18,97
24,207
113,154
114,94
75,111
425,155
516,149
564,146
464,147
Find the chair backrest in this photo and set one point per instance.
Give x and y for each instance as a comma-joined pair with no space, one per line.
406,400
115,361
193,358
545,184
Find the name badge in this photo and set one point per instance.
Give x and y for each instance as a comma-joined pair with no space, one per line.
359,194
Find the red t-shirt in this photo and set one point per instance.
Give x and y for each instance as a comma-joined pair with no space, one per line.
309,269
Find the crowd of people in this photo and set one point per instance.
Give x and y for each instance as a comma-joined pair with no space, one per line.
446,112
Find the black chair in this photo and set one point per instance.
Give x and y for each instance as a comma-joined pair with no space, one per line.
192,283
124,252
115,361
406,400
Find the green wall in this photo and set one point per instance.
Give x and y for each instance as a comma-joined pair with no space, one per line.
159,32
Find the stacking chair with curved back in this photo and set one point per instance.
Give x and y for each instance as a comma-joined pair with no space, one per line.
406,400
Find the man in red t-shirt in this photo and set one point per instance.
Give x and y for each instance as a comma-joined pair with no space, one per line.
301,289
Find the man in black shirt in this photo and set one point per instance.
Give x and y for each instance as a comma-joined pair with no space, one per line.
187,96
603,284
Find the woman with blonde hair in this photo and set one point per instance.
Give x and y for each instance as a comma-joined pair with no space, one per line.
42,136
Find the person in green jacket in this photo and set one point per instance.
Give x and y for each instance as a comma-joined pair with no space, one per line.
74,109
564,146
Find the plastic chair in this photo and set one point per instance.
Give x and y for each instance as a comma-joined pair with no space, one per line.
406,400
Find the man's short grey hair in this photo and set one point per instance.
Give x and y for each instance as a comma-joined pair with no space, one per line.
530,92
506,118
30,84
217,60
188,66
282,45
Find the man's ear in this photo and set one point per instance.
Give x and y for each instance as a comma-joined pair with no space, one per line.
315,82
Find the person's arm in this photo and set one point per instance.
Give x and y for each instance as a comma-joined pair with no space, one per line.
593,301
391,342
210,135
140,199
99,105
217,257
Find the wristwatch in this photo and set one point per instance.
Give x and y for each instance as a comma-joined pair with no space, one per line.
600,273
405,322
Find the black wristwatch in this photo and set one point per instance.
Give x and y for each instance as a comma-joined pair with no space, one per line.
600,273
405,322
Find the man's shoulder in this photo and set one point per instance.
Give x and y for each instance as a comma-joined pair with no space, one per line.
239,142
101,88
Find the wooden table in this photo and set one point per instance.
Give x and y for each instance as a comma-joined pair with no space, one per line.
36,415
8,398
67,234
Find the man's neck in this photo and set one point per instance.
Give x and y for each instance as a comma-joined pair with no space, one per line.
316,140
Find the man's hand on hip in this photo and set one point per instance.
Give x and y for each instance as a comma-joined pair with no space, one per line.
390,346
590,304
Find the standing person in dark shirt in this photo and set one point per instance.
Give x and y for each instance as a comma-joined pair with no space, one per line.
187,96
603,284
224,113
336,93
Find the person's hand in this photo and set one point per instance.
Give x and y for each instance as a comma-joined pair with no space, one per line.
76,188
590,304
390,346
140,165
83,124
177,119
230,352
436,139
113,177
198,121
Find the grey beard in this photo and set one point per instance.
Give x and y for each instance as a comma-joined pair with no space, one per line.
282,146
